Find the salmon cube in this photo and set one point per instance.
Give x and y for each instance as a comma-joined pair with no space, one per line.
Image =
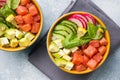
36,18
79,67
102,50
92,64
24,2
86,59
28,19
90,51
26,27
35,27
98,57
22,10
95,43
19,19
33,10
103,42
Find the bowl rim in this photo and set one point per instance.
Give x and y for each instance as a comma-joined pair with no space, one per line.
106,35
36,36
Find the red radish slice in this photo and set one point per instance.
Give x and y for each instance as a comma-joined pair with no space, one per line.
81,16
2,0
79,23
90,18
81,20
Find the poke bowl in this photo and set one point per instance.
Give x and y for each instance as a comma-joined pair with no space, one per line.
78,42
20,24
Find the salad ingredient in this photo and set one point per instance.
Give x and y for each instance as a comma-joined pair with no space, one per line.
81,32
5,11
95,43
24,2
98,57
30,36
58,36
36,18
70,23
28,19
19,19
103,42
3,27
53,47
14,42
35,27
19,34
58,43
67,51
67,57
4,41
69,65
10,33
79,67
33,10
92,63
60,62
21,10
26,27
62,32
13,4
90,51
102,50
24,42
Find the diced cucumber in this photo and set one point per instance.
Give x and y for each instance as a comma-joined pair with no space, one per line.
74,49
70,23
24,42
58,36
53,47
30,36
61,52
19,34
62,32
56,55
71,27
67,51
3,27
62,27
60,62
66,57
14,42
10,33
58,43
4,41
69,65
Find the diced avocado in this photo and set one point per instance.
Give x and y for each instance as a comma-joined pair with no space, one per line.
81,32
14,42
71,27
56,55
19,34
11,19
10,33
70,23
4,41
3,27
30,36
62,32
24,42
66,57
58,36
67,51
58,43
69,65
62,27
60,62
53,47
74,49
61,52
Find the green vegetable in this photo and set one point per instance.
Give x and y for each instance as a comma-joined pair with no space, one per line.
3,27
5,11
13,4
10,33
72,40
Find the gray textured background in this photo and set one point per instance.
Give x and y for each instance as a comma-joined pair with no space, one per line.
15,66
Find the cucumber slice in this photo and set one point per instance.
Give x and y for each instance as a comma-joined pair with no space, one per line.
58,36
62,27
70,23
3,27
62,32
71,27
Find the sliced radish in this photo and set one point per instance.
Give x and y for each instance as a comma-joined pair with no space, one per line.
2,0
79,23
81,16
90,18
82,21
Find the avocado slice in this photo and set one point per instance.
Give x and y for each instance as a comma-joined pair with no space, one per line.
62,32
